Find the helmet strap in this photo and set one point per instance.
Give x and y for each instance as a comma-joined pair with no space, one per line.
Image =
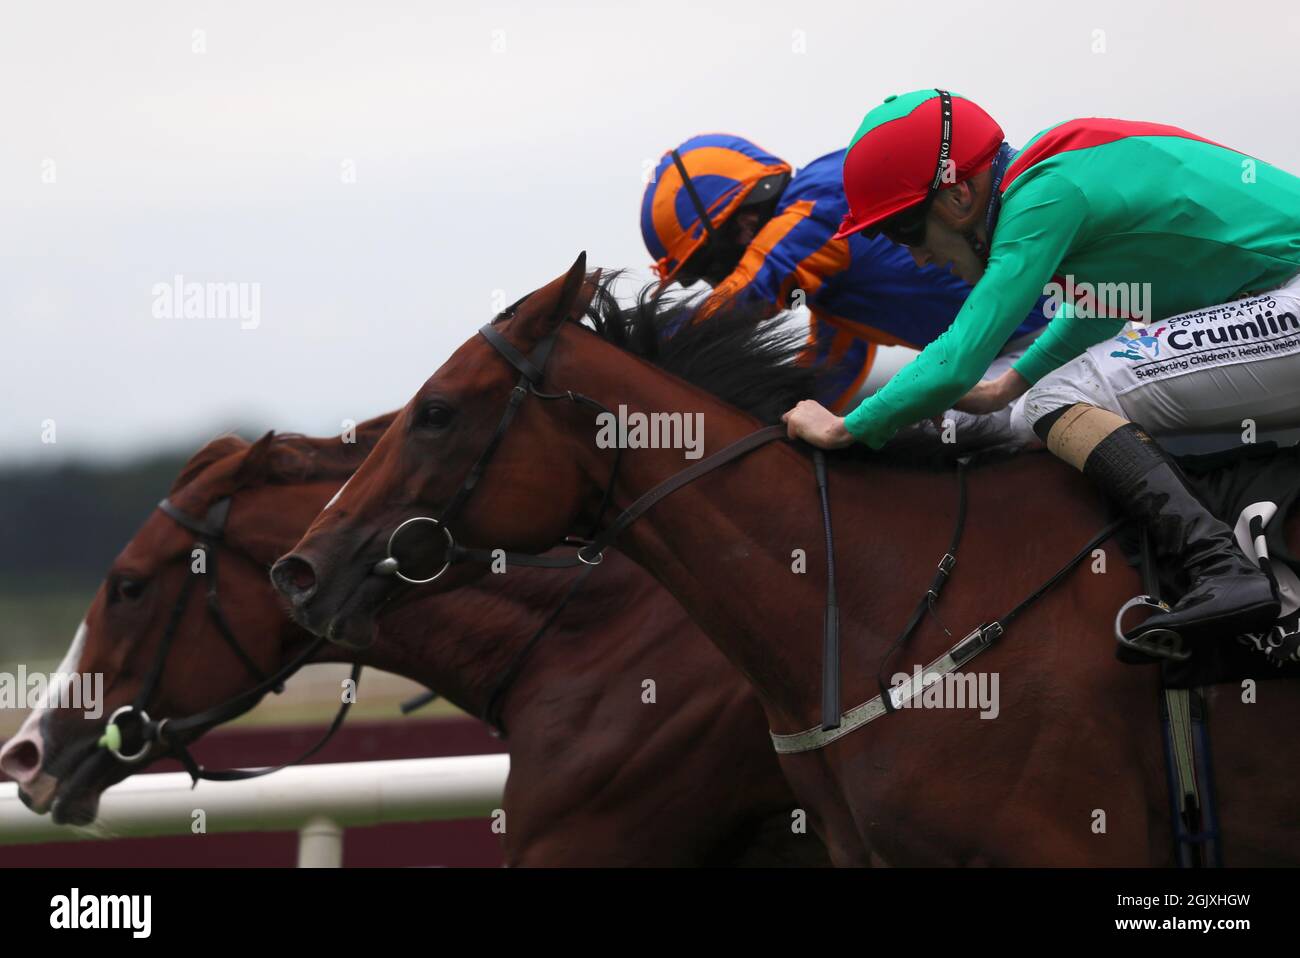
945,140
700,209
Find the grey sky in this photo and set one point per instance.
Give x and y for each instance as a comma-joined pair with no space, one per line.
489,145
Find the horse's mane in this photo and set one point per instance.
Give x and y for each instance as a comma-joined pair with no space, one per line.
740,353
291,457
213,451
295,458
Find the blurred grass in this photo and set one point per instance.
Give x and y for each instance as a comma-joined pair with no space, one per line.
37,627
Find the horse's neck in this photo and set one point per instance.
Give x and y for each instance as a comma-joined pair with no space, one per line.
730,545
461,643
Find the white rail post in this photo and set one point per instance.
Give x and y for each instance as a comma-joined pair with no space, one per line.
320,844
315,800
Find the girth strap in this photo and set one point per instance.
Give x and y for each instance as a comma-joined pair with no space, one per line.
970,646
927,601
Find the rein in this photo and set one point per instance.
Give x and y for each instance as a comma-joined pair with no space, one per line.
174,734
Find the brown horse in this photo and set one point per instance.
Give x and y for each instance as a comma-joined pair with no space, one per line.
1069,771
597,776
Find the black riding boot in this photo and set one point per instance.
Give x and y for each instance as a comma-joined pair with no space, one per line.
1228,594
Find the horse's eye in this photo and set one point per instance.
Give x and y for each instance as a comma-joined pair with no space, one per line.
128,589
435,415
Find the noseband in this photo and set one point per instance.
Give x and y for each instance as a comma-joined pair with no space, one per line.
132,720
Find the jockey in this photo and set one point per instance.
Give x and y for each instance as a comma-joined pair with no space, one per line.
1154,213
723,210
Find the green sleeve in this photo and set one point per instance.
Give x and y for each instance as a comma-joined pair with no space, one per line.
1064,338
1032,237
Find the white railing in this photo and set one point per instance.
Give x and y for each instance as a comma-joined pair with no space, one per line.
317,801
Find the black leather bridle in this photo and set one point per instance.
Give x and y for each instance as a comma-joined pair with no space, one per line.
589,552
532,371
174,735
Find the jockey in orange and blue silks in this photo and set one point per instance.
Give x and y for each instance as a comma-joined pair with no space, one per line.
722,209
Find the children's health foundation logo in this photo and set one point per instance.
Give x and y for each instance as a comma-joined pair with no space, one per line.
1139,344
1210,333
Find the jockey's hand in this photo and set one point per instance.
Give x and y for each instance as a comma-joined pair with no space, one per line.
815,424
993,394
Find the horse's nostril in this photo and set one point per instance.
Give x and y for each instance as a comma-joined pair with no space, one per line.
295,578
21,760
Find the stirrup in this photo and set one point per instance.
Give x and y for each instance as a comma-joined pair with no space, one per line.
1156,643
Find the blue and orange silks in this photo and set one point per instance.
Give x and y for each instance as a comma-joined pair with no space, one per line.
861,291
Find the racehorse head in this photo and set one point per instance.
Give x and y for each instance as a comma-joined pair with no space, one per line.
421,460
485,462
154,621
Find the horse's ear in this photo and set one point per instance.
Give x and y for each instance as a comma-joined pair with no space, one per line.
566,298
590,286
256,461
574,282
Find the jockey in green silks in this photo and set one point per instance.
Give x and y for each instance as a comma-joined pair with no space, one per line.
1203,243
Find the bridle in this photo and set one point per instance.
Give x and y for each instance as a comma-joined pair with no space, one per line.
589,552
174,734
531,375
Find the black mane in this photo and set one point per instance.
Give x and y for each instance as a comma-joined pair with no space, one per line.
744,356
739,353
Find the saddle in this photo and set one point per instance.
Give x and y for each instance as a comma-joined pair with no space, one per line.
1252,488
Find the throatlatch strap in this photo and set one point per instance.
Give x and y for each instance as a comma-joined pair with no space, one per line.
219,618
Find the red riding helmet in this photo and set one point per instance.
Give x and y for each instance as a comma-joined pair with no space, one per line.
908,148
